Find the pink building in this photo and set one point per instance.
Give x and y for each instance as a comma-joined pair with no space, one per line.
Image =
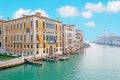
72,39
79,40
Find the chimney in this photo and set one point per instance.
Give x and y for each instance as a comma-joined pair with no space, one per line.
38,14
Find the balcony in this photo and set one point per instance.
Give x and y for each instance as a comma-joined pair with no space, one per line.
17,42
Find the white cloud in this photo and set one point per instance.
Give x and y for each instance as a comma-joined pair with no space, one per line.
1,16
68,11
87,14
113,6
90,24
99,7
22,11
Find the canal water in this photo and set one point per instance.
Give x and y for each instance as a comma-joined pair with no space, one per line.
98,63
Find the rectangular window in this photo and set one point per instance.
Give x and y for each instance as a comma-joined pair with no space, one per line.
31,46
11,38
37,46
17,45
43,25
31,38
31,23
56,26
43,37
44,45
14,37
37,52
0,44
11,27
24,46
28,46
43,51
60,27
17,26
14,26
36,23
46,37
17,37
0,31
21,25
36,36
56,45
5,39
24,38
20,37
54,49
24,24
47,50
6,27
21,46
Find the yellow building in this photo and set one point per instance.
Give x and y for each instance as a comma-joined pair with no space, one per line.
32,34
1,36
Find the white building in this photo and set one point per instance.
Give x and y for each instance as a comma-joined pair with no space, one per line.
68,38
108,39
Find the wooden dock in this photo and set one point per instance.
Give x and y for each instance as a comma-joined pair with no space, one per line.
50,59
33,62
63,58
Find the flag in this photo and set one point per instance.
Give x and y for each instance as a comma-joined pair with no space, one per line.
48,38
54,40
38,38
62,40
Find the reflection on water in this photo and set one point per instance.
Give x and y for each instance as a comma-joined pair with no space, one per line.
98,62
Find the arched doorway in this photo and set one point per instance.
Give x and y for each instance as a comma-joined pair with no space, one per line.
51,50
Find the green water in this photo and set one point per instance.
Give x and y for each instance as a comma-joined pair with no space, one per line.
98,63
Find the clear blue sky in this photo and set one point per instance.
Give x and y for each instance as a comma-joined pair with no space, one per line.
90,16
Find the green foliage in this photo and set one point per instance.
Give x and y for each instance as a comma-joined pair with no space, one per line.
5,57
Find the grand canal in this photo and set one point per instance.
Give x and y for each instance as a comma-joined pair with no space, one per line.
99,62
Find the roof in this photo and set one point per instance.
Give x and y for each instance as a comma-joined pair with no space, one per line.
78,30
26,16
68,25
2,21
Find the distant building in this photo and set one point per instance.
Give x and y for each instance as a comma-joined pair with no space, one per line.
69,37
1,36
72,38
108,39
79,39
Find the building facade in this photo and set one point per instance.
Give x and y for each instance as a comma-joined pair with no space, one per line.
108,39
32,34
68,38
1,36
79,39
